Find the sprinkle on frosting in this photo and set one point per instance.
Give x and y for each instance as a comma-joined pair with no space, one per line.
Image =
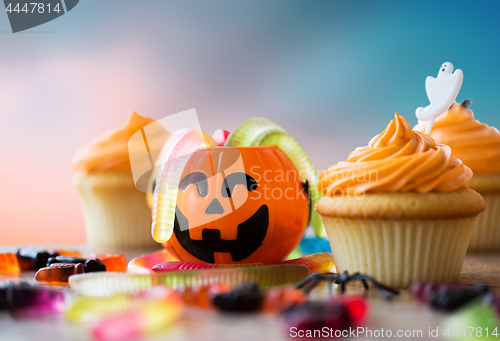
110,152
398,159
473,142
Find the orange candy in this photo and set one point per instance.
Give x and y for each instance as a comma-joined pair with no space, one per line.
9,263
67,253
202,296
58,273
195,296
277,300
117,263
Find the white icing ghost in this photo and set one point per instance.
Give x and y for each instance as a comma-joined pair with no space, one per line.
442,92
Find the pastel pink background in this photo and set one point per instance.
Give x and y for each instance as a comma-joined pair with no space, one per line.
54,104
332,73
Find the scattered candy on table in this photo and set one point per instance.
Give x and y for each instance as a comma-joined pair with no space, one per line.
494,300
58,273
337,314
246,298
277,300
249,298
133,306
94,265
482,318
202,296
112,262
121,317
84,309
9,263
447,296
424,291
25,299
89,265
32,259
455,298
226,287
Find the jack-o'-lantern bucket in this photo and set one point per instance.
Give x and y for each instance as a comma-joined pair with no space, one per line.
249,201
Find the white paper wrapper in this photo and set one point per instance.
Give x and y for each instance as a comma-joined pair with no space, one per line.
399,252
116,213
486,235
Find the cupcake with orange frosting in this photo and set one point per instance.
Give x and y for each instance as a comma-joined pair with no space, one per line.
478,146
116,212
400,209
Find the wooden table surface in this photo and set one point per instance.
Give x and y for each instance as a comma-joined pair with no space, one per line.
402,313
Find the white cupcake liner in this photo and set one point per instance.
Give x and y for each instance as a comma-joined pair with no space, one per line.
116,213
486,235
399,252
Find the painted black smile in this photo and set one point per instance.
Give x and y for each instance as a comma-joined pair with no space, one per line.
251,235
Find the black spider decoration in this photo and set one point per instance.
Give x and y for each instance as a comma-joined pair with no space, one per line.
342,279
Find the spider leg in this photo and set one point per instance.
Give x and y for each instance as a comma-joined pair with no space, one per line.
307,280
385,291
342,287
330,282
312,281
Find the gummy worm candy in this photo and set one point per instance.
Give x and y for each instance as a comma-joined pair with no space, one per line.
122,316
107,283
163,260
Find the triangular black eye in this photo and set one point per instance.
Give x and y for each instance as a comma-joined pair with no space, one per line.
199,179
237,178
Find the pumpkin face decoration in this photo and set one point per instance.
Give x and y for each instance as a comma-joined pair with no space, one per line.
239,205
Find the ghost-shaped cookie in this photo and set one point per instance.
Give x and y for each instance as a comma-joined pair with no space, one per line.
442,92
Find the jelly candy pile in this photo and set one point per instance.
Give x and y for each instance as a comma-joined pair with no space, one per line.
479,315
474,306
249,298
447,296
336,314
122,317
58,273
25,299
56,266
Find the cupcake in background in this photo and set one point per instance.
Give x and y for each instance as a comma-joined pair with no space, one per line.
478,146
399,209
116,213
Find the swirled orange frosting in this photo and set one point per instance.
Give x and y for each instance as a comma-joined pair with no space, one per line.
473,142
398,159
110,152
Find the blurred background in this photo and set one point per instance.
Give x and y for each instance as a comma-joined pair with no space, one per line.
332,73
